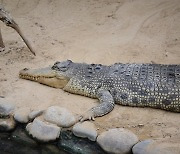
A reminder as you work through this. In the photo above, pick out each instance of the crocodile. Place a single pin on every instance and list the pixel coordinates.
(135, 85)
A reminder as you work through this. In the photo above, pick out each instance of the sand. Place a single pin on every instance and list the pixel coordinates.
(91, 31)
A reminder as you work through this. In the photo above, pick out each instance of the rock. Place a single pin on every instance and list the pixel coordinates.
(85, 130)
(18, 142)
(118, 141)
(32, 115)
(156, 147)
(21, 115)
(76, 145)
(51, 149)
(6, 108)
(7, 124)
(60, 116)
(43, 131)
(7, 146)
(20, 136)
(141, 147)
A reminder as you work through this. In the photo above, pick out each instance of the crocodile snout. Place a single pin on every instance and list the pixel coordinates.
(23, 72)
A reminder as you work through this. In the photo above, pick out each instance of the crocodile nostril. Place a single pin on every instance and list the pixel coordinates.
(25, 69)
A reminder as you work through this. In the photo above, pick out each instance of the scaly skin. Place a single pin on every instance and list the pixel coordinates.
(138, 85)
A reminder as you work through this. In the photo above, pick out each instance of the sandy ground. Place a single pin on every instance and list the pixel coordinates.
(92, 31)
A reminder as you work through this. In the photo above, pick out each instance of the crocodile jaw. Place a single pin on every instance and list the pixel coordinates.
(45, 76)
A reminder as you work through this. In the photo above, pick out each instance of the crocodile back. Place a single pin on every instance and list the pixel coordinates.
(152, 85)
(152, 73)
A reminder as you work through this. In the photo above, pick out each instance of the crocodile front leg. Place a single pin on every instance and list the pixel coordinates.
(106, 105)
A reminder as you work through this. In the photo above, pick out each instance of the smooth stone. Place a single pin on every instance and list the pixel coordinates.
(7, 124)
(21, 115)
(156, 147)
(85, 130)
(76, 145)
(43, 131)
(117, 141)
(32, 115)
(140, 147)
(6, 108)
(59, 116)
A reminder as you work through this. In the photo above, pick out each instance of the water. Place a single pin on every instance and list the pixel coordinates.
(19, 142)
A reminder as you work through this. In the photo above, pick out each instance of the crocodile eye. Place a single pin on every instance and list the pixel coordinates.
(62, 66)
(59, 68)
(63, 69)
(56, 63)
(54, 67)
(25, 69)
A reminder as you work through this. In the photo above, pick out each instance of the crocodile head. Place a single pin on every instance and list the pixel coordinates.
(56, 76)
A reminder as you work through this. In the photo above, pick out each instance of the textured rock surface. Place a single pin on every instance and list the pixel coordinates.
(85, 130)
(21, 115)
(60, 116)
(20, 136)
(7, 124)
(119, 141)
(76, 145)
(32, 115)
(156, 147)
(52, 149)
(43, 131)
(9, 146)
(6, 108)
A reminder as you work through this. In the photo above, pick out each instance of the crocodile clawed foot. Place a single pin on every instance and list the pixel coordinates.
(89, 115)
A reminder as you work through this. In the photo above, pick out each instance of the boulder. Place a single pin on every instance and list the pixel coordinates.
(117, 141)
(6, 108)
(43, 131)
(85, 130)
(21, 115)
(7, 124)
(33, 114)
(60, 116)
(140, 147)
(156, 147)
